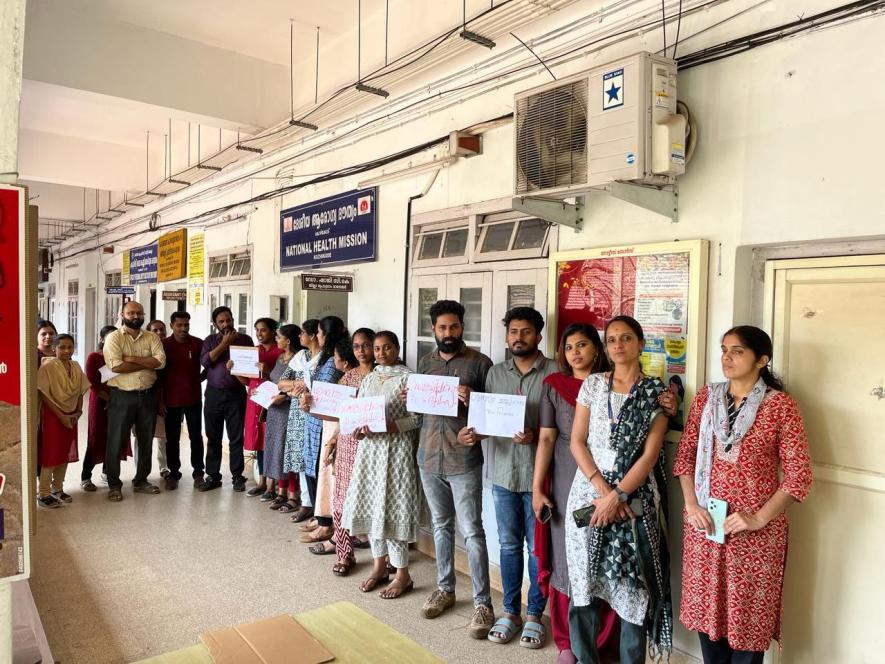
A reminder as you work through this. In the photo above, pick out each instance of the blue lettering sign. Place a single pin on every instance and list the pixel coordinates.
(338, 229)
(143, 265)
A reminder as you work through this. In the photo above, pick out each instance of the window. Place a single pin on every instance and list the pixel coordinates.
(73, 307)
(506, 236)
(240, 265)
(112, 279)
(236, 265)
(218, 267)
(441, 243)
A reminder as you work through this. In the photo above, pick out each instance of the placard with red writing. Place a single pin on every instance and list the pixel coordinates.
(432, 395)
(328, 398)
(365, 411)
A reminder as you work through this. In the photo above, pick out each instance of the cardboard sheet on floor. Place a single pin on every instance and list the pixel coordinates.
(277, 640)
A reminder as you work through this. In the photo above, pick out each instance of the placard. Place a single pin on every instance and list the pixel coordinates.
(245, 359)
(172, 256)
(143, 265)
(496, 414)
(663, 286)
(432, 395)
(328, 398)
(338, 229)
(365, 411)
(196, 268)
(265, 393)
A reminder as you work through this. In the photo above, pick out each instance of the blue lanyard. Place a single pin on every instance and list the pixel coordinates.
(613, 423)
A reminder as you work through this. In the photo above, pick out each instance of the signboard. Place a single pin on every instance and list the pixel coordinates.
(16, 367)
(143, 265)
(338, 229)
(174, 295)
(124, 273)
(120, 290)
(663, 286)
(172, 256)
(196, 268)
(327, 282)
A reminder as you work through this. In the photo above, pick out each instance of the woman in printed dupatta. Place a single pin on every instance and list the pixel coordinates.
(738, 435)
(383, 500)
(61, 384)
(621, 558)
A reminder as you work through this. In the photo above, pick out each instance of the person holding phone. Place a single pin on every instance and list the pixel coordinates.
(621, 557)
(580, 354)
(740, 433)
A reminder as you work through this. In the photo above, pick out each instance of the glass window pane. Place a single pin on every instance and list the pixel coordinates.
(530, 234)
(521, 295)
(430, 245)
(471, 298)
(456, 243)
(497, 237)
(426, 297)
(228, 300)
(242, 311)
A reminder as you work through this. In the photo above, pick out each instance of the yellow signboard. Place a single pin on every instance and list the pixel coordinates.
(172, 255)
(124, 273)
(196, 272)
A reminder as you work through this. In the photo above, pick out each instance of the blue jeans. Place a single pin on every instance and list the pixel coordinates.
(516, 528)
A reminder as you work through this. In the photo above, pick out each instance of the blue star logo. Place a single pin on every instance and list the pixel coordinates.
(612, 92)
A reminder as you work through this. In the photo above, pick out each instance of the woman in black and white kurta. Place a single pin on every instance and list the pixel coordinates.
(382, 499)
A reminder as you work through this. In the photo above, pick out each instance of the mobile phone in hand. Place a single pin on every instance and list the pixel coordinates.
(583, 515)
(546, 514)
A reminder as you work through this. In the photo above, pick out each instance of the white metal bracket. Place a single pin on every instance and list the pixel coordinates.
(662, 200)
(557, 212)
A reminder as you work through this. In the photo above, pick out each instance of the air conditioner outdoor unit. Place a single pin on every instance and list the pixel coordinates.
(616, 122)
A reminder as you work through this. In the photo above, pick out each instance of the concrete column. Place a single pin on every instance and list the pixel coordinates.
(12, 41)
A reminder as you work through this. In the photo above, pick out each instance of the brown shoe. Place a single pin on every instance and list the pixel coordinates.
(437, 603)
(171, 484)
(321, 534)
(481, 621)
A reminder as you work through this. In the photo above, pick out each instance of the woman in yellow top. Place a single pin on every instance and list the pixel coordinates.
(61, 385)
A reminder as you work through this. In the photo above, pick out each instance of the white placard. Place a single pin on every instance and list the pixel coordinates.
(432, 395)
(107, 373)
(300, 363)
(496, 414)
(328, 398)
(245, 359)
(365, 411)
(265, 393)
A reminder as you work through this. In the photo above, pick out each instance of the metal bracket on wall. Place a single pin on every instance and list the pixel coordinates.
(663, 201)
(557, 212)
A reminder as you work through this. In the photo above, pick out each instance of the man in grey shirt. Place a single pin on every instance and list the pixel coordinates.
(451, 472)
(522, 374)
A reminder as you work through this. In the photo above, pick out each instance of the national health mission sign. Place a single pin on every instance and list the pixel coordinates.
(338, 229)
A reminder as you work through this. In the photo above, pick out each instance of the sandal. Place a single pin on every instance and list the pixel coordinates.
(318, 535)
(394, 590)
(310, 526)
(319, 549)
(115, 495)
(343, 568)
(533, 635)
(503, 630)
(372, 582)
(302, 514)
(256, 491)
(288, 506)
(361, 543)
(278, 502)
(87, 485)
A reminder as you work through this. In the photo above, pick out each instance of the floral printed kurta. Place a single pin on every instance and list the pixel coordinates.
(383, 500)
(733, 590)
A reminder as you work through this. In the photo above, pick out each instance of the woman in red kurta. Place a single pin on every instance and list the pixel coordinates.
(737, 436)
(253, 438)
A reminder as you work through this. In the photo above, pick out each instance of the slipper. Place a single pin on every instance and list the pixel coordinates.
(87, 485)
(115, 495)
(302, 514)
(503, 630)
(278, 502)
(319, 549)
(533, 635)
(343, 568)
(372, 582)
(256, 491)
(317, 536)
(310, 526)
(147, 487)
(288, 507)
(399, 591)
(361, 544)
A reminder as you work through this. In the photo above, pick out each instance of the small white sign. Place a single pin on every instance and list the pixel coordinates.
(432, 395)
(496, 414)
(245, 359)
(365, 411)
(328, 398)
(265, 393)
(613, 89)
(107, 374)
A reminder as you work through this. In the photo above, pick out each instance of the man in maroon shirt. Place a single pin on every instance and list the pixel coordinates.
(182, 398)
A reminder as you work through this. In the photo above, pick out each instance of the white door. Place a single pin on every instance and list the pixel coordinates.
(828, 322)
(238, 298)
(515, 288)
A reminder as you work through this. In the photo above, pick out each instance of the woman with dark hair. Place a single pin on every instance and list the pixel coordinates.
(46, 334)
(253, 435)
(293, 383)
(276, 422)
(581, 353)
(61, 385)
(382, 499)
(740, 433)
(331, 331)
(617, 553)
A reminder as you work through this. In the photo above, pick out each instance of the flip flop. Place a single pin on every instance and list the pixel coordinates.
(402, 591)
(372, 582)
(506, 628)
(319, 549)
(533, 630)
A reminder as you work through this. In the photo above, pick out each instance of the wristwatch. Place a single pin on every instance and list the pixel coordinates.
(622, 497)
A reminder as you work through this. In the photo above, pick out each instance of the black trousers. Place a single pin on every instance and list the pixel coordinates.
(193, 415)
(89, 466)
(720, 652)
(225, 409)
(125, 411)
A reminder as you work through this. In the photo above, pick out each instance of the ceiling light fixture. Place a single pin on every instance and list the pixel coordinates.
(362, 87)
(469, 35)
(303, 124)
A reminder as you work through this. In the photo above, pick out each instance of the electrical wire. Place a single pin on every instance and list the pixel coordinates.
(678, 26)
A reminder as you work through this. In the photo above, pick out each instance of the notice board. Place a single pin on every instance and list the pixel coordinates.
(663, 286)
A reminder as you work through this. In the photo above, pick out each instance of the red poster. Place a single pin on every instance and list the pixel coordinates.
(595, 290)
(11, 201)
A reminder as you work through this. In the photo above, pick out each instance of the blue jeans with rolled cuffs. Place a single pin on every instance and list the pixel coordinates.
(516, 530)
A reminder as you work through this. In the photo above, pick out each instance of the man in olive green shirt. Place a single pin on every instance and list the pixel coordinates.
(514, 461)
